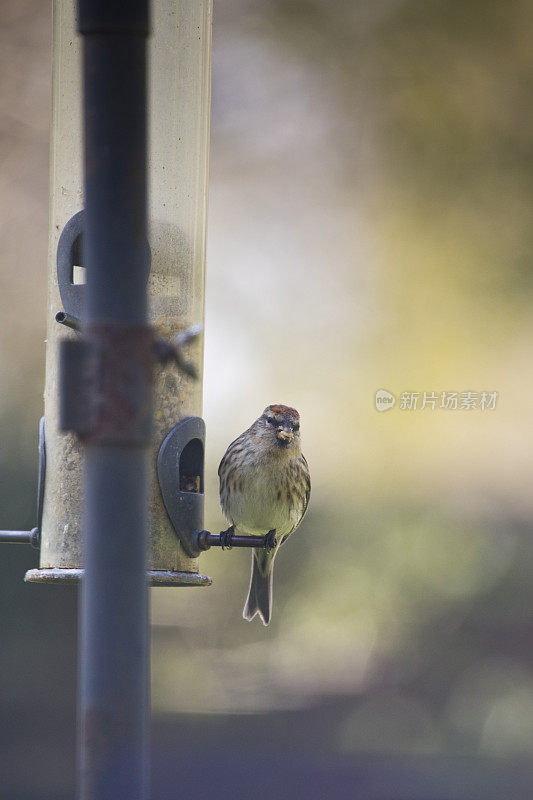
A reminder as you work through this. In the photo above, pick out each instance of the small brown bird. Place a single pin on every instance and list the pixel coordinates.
(265, 488)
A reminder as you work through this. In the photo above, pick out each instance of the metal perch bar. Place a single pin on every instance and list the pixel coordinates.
(228, 539)
(21, 537)
(68, 320)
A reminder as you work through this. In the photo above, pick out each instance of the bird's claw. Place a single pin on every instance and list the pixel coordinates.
(270, 541)
(225, 538)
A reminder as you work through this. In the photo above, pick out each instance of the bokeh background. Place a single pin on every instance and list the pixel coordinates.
(369, 228)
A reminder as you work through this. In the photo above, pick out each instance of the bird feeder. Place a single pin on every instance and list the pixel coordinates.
(128, 391)
(179, 94)
(178, 114)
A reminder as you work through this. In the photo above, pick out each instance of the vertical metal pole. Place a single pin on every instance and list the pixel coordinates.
(114, 640)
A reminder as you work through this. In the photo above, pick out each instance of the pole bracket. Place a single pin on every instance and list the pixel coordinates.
(105, 393)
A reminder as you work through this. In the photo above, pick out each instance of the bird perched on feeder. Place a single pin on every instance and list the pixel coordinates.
(264, 490)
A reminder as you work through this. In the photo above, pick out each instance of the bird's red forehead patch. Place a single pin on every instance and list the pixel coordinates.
(286, 410)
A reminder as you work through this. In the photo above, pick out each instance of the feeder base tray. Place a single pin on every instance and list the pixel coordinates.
(157, 577)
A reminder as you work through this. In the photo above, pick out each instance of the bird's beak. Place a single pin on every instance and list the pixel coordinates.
(285, 434)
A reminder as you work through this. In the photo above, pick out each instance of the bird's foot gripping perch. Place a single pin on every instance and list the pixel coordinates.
(226, 537)
(270, 541)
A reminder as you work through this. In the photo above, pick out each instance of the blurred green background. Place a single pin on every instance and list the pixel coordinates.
(369, 228)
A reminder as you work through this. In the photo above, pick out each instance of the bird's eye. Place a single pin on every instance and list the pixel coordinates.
(271, 420)
(296, 426)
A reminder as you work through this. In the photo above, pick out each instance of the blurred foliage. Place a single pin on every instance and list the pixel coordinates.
(368, 228)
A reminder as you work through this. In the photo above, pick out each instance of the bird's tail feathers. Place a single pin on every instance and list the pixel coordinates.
(259, 599)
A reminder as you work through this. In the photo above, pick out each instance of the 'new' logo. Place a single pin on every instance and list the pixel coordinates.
(384, 400)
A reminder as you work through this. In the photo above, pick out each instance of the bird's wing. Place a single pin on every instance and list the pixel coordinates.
(228, 452)
(307, 486)
(305, 467)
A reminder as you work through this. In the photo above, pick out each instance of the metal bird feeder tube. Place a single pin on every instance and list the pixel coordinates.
(179, 53)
